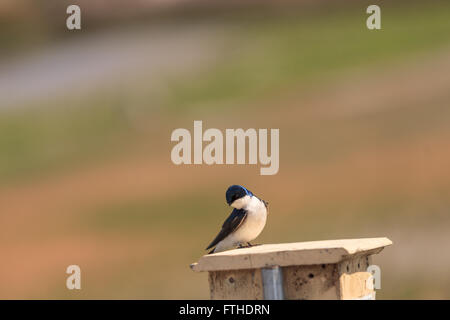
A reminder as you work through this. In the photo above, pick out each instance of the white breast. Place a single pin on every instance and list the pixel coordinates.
(253, 224)
(250, 229)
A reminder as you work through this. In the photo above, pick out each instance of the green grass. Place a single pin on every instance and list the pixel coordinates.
(34, 139)
(279, 52)
(263, 56)
(184, 213)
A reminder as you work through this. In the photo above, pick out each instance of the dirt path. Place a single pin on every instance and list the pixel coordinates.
(94, 60)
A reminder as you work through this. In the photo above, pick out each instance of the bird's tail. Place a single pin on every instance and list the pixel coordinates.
(212, 251)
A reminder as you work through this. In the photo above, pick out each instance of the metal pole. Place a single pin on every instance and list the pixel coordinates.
(272, 283)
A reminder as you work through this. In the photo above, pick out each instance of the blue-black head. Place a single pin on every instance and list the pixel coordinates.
(236, 192)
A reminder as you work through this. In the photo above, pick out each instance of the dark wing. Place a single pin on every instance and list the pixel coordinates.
(235, 219)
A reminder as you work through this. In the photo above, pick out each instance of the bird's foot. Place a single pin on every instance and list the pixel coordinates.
(253, 245)
(248, 245)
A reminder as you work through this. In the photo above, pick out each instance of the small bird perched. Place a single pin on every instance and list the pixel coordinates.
(245, 222)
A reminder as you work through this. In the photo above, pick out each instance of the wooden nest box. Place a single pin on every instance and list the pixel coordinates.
(333, 269)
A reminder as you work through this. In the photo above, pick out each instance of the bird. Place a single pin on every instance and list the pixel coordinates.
(244, 224)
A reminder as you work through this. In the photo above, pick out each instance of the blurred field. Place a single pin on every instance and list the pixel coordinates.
(85, 170)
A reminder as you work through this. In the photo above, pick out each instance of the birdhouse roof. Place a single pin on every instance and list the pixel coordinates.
(290, 254)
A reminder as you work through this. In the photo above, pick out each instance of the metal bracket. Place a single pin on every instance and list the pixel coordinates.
(272, 279)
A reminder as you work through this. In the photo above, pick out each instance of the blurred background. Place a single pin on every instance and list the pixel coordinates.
(86, 117)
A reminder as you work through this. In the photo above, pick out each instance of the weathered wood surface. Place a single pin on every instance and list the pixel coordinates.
(340, 281)
(353, 277)
(236, 284)
(311, 282)
(291, 254)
